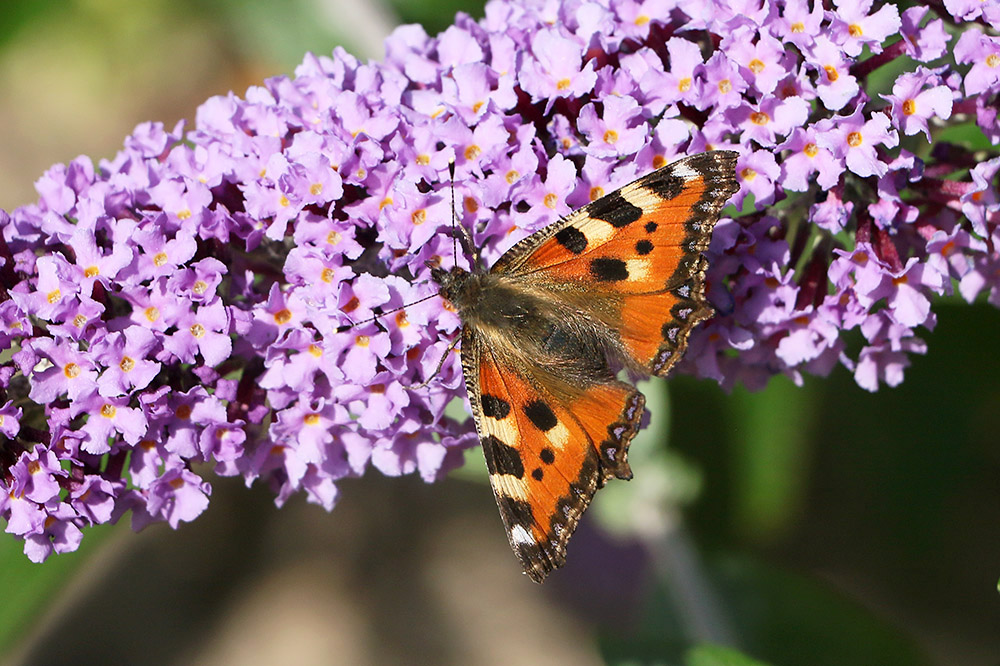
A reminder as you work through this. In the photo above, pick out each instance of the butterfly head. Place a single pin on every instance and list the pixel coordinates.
(454, 285)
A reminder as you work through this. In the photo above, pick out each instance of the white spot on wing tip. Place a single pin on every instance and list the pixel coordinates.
(519, 534)
(684, 171)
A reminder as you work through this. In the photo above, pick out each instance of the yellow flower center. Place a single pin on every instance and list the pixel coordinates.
(472, 152)
(362, 341)
(326, 275)
(684, 84)
(151, 313)
(159, 259)
(909, 107)
(992, 60)
(419, 216)
(759, 118)
(811, 150)
(108, 411)
(72, 370)
(423, 159)
(311, 419)
(854, 139)
(551, 200)
(854, 30)
(91, 271)
(748, 174)
(798, 27)
(199, 287)
(127, 364)
(610, 136)
(333, 237)
(725, 85)
(315, 189)
(756, 66)
(283, 316)
(197, 330)
(563, 84)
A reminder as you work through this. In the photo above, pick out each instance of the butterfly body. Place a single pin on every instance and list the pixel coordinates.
(617, 284)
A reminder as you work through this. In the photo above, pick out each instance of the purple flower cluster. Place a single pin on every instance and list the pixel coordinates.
(205, 300)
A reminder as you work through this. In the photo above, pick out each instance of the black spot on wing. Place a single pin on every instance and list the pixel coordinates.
(664, 183)
(502, 459)
(540, 415)
(643, 247)
(614, 210)
(537, 474)
(547, 456)
(494, 407)
(608, 269)
(651, 227)
(572, 239)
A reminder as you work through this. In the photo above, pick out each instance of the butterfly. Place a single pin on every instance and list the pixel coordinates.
(617, 284)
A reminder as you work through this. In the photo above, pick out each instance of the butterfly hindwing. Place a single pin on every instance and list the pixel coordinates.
(546, 455)
(639, 249)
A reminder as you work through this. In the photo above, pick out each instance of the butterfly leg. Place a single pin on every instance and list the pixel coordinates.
(444, 357)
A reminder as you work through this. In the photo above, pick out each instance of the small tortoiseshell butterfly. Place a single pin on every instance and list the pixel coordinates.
(617, 284)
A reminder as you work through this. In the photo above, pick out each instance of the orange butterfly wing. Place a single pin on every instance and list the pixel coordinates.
(546, 460)
(639, 250)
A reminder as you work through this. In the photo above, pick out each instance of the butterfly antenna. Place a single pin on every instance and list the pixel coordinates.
(454, 213)
(458, 231)
(347, 327)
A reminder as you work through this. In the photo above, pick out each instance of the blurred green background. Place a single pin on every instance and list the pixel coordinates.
(815, 525)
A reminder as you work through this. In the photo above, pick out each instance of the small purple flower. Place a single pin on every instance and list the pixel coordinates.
(762, 62)
(808, 157)
(126, 356)
(983, 51)
(854, 139)
(772, 118)
(927, 43)
(555, 68)
(914, 103)
(107, 418)
(854, 27)
(836, 87)
(799, 24)
(618, 129)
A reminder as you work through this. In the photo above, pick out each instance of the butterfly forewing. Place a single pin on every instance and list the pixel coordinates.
(639, 248)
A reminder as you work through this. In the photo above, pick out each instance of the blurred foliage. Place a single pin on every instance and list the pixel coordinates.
(716, 655)
(778, 616)
(29, 588)
(435, 15)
